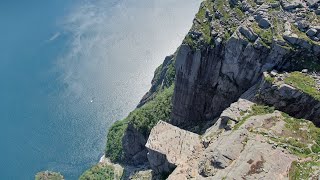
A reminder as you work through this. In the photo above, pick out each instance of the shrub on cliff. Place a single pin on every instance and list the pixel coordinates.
(143, 119)
(100, 171)
(48, 175)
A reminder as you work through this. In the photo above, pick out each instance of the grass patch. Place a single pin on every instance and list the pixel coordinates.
(304, 83)
(265, 34)
(303, 170)
(298, 134)
(99, 172)
(269, 79)
(255, 110)
(302, 35)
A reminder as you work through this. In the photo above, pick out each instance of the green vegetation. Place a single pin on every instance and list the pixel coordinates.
(305, 61)
(272, 1)
(304, 83)
(301, 35)
(303, 170)
(221, 6)
(48, 175)
(99, 172)
(114, 140)
(255, 110)
(143, 119)
(298, 134)
(168, 78)
(239, 13)
(269, 79)
(265, 34)
(146, 117)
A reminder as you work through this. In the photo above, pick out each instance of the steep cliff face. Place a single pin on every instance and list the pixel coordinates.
(214, 74)
(294, 93)
(220, 80)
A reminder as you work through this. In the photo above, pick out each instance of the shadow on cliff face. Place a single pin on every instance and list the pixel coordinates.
(208, 80)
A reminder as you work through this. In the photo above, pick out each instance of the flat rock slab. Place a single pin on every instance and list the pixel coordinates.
(178, 145)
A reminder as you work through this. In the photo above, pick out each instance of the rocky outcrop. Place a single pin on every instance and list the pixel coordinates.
(248, 141)
(218, 83)
(210, 77)
(288, 98)
(169, 146)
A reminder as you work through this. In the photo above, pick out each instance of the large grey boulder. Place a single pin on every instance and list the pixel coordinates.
(264, 23)
(311, 32)
(169, 146)
(312, 3)
(291, 4)
(303, 25)
(248, 33)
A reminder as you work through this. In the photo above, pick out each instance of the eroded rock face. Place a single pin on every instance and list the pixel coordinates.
(209, 80)
(244, 152)
(289, 99)
(169, 146)
(133, 146)
(209, 77)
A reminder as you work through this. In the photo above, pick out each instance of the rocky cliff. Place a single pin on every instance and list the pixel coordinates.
(238, 100)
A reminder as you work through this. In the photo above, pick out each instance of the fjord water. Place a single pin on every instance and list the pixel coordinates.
(69, 69)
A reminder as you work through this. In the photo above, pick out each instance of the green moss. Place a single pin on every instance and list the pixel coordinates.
(315, 148)
(239, 13)
(304, 83)
(99, 172)
(298, 133)
(48, 175)
(221, 5)
(255, 110)
(265, 34)
(303, 170)
(302, 35)
(269, 79)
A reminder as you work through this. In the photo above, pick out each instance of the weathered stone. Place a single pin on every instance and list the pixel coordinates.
(303, 25)
(248, 33)
(311, 32)
(264, 23)
(291, 38)
(168, 146)
(291, 4)
(259, 2)
(312, 3)
(290, 100)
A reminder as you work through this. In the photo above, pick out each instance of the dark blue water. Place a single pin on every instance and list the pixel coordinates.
(69, 69)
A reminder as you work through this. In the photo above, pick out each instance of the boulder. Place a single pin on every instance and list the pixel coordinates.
(290, 5)
(259, 2)
(311, 32)
(248, 33)
(264, 23)
(291, 38)
(303, 25)
(312, 3)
